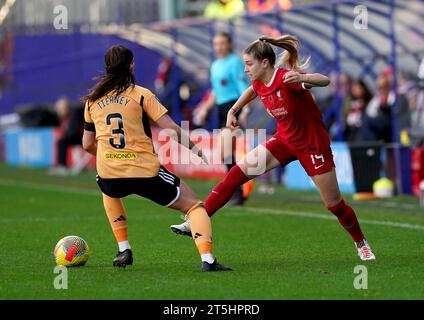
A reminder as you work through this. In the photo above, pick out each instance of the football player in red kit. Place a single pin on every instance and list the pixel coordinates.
(301, 134)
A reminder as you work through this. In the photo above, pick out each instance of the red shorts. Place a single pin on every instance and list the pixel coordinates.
(313, 162)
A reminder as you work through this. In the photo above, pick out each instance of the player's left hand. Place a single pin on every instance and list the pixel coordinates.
(293, 76)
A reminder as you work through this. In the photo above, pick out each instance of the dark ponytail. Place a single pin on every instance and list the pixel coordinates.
(118, 76)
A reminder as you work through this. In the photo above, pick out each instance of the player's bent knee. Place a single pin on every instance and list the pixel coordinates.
(196, 205)
(191, 206)
(185, 203)
(331, 203)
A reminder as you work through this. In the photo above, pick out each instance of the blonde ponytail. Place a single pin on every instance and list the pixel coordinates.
(290, 57)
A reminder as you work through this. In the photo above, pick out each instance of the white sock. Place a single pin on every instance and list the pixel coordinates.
(124, 245)
(208, 257)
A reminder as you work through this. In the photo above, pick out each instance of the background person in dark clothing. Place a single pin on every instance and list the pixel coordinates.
(71, 121)
(360, 97)
(377, 124)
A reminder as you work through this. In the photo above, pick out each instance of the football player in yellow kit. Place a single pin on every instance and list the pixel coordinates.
(117, 131)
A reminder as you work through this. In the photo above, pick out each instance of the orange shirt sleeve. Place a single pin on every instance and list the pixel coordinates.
(88, 122)
(87, 116)
(153, 107)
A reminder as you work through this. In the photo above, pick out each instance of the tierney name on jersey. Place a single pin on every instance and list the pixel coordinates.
(113, 99)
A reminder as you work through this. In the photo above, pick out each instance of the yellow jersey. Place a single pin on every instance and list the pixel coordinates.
(124, 141)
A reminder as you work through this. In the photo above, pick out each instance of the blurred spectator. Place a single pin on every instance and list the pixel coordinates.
(224, 9)
(345, 83)
(418, 115)
(162, 75)
(360, 97)
(408, 88)
(71, 124)
(377, 124)
(164, 86)
(262, 6)
(338, 94)
(378, 118)
(344, 92)
(417, 121)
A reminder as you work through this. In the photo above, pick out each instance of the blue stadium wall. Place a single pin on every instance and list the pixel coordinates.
(46, 67)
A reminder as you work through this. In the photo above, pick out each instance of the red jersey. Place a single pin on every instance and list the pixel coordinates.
(300, 124)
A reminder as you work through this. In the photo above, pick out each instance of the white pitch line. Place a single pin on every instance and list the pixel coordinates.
(48, 187)
(362, 203)
(315, 215)
(251, 210)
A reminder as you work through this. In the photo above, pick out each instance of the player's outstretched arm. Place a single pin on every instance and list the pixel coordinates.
(175, 131)
(309, 79)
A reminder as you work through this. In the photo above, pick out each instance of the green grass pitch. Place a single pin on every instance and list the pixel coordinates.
(282, 246)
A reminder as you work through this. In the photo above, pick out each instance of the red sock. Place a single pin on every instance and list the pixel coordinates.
(348, 220)
(223, 192)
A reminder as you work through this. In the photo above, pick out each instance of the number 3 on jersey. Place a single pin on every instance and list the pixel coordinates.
(119, 131)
